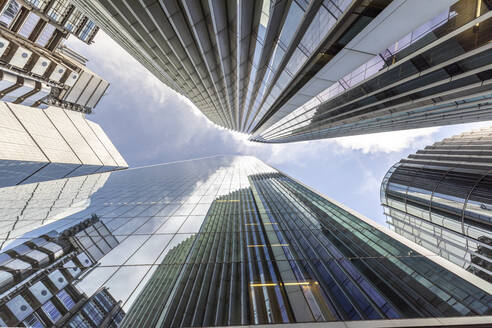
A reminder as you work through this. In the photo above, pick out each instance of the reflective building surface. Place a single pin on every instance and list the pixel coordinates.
(230, 241)
(437, 74)
(441, 198)
(27, 207)
(285, 71)
(46, 144)
(297, 70)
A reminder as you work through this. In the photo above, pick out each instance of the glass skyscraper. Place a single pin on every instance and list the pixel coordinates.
(231, 241)
(286, 71)
(435, 74)
(441, 198)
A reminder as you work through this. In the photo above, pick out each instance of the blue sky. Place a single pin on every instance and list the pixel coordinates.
(150, 124)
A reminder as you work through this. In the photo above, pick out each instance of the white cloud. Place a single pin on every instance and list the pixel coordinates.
(387, 142)
(298, 153)
(369, 183)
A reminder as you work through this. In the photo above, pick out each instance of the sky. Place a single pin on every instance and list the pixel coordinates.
(151, 124)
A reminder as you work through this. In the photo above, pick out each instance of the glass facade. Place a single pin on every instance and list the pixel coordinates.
(441, 198)
(229, 240)
(435, 75)
(287, 71)
(248, 64)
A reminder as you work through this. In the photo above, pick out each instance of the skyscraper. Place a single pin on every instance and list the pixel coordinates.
(52, 143)
(436, 75)
(229, 240)
(441, 199)
(297, 70)
(36, 69)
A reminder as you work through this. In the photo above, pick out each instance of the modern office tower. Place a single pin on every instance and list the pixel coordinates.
(436, 75)
(38, 280)
(35, 68)
(441, 199)
(297, 70)
(229, 240)
(52, 143)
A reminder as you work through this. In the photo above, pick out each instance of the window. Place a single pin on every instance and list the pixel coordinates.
(104, 301)
(65, 299)
(87, 30)
(45, 35)
(29, 25)
(93, 313)
(39, 4)
(294, 18)
(51, 311)
(10, 12)
(74, 20)
(58, 10)
(78, 322)
(33, 321)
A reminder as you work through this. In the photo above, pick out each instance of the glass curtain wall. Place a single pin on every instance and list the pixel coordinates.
(441, 198)
(230, 240)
